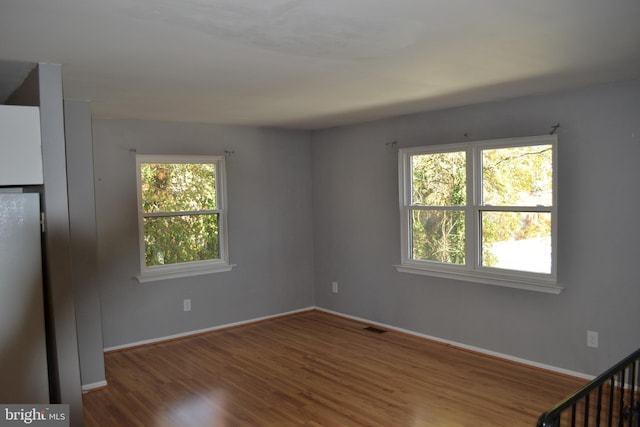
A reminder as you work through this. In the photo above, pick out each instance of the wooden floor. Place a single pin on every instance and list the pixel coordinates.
(315, 369)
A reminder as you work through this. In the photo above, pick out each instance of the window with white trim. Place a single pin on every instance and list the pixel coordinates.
(483, 211)
(182, 216)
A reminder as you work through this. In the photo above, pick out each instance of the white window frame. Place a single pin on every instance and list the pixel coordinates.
(472, 270)
(185, 269)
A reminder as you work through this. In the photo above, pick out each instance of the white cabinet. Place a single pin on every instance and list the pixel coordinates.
(20, 146)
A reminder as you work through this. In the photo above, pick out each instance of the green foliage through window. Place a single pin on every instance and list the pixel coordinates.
(515, 178)
(181, 221)
(438, 182)
(438, 236)
(512, 212)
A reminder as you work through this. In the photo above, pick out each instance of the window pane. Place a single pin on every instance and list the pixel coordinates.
(171, 240)
(517, 241)
(438, 179)
(437, 236)
(517, 176)
(168, 187)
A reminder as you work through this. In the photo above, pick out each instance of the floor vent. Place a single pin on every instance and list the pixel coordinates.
(374, 330)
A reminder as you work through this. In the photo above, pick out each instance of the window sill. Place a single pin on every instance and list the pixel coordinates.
(176, 272)
(509, 282)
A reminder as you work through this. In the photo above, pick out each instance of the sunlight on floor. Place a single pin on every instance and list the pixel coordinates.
(423, 417)
(207, 409)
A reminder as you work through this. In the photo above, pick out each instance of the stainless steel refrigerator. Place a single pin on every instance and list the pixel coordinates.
(23, 357)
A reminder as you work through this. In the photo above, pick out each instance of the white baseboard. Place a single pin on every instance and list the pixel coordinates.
(93, 386)
(359, 319)
(465, 346)
(201, 331)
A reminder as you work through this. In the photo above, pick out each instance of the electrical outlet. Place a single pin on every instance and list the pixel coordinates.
(592, 339)
(334, 287)
(186, 305)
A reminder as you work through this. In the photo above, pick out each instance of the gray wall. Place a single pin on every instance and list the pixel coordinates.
(357, 232)
(84, 262)
(270, 229)
(289, 245)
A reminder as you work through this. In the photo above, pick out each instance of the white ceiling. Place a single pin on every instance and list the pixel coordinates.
(317, 63)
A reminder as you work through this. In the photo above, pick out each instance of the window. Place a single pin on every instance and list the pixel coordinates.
(181, 216)
(482, 211)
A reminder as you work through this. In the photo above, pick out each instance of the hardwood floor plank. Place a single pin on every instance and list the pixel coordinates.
(316, 369)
